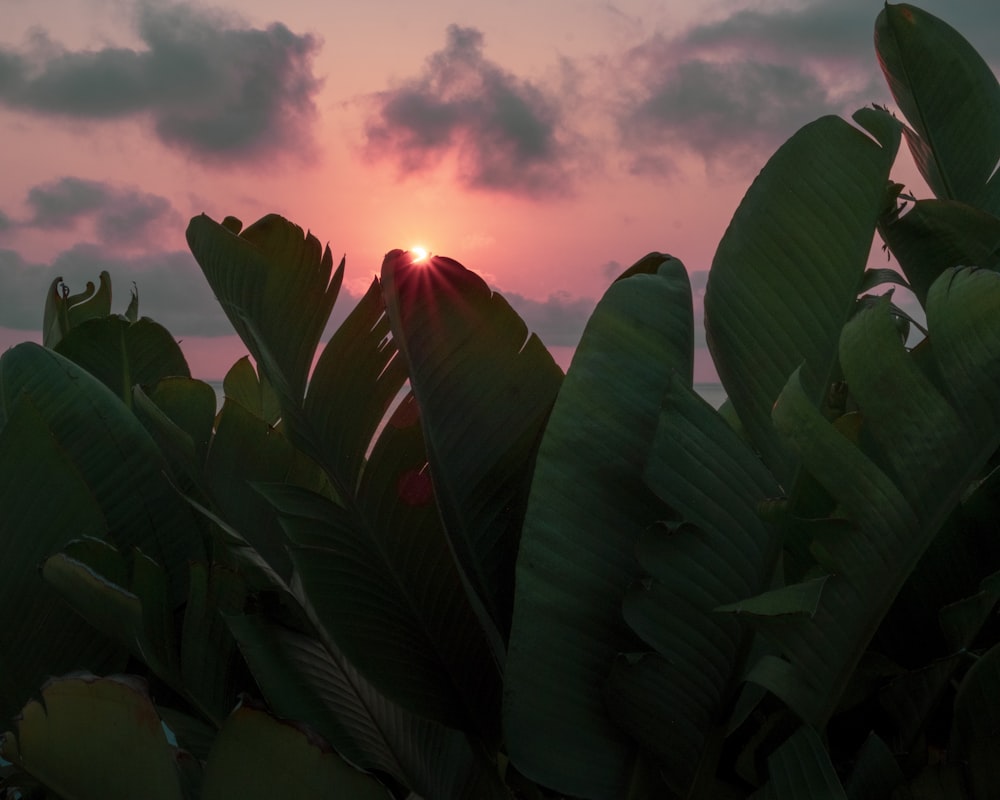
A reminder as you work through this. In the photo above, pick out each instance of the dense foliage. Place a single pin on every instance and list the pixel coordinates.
(427, 564)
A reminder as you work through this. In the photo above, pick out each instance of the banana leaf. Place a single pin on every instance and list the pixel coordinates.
(122, 354)
(485, 388)
(256, 756)
(927, 456)
(40, 634)
(91, 738)
(276, 285)
(789, 267)
(675, 701)
(951, 99)
(936, 235)
(587, 509)
(303, 679)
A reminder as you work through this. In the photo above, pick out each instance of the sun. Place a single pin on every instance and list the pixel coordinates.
(419, 253)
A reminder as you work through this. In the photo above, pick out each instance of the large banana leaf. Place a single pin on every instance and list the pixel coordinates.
(788, 269)
(305, 680)
(936, 235)
(951, 99)
(256, 757)
(91, 738)
(485, 388)
(800, 769)
(975, 735)
(276, 285)
(674, 701)
(357, 377)
(381, 581)
(44, 502)
(111, 451)
(122, 354)
(198, 661)
(245, 449)
(926, 455)
(384, 509)
(587, 509)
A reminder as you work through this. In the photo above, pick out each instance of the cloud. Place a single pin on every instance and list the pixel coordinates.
(172, 289)
(211, 88)
(507, 133)
(732, 90)
(121, 215)
(558, 320)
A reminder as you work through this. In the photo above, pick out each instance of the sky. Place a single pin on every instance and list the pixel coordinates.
(545, 144)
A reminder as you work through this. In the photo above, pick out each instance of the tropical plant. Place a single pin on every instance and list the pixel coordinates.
(424, 563)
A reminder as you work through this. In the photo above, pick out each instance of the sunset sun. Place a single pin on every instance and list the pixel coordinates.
(419, 253)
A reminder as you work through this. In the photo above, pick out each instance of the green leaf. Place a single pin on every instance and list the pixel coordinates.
(45, 502)
(208, 650)
(485, 388)
(246, 450)
(961, 312)
(390, 597)
(302, 679)
(242, 385)
(587, 507)
(674, 703)
(122, 354)
(911, 698)
(111, 451)
(875, 774)
(95, 738)
(257, 757)
(277, 286)
(191, 405)
(787, 271)
(795, 599)
(357, 377)
(951, 99)
(925, 459)
(179, 414)
(975, 734)
(801, 768)
(92, 576)
(936, 235)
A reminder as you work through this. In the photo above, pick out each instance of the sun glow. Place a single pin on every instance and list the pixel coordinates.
(419, 253)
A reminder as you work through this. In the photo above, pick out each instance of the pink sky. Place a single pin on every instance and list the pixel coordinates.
(546, 145)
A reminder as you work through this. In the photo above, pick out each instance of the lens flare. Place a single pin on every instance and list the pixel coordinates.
(419, 253)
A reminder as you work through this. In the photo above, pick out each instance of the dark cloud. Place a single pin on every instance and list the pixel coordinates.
(121, 215)
(612, 269)
(558, 320)
(508, 134)
(212, 89)
(727, 111)
(732, 90)
(172, 289)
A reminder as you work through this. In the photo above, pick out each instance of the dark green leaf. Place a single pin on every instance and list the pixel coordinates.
(95, 738)
(801, 768)
(122, 354)
(587, 508)
(936, 235)
(951, 99)
(786, 274)
(485, 388)
(258, 757)
(304, 680)
(277, 286)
